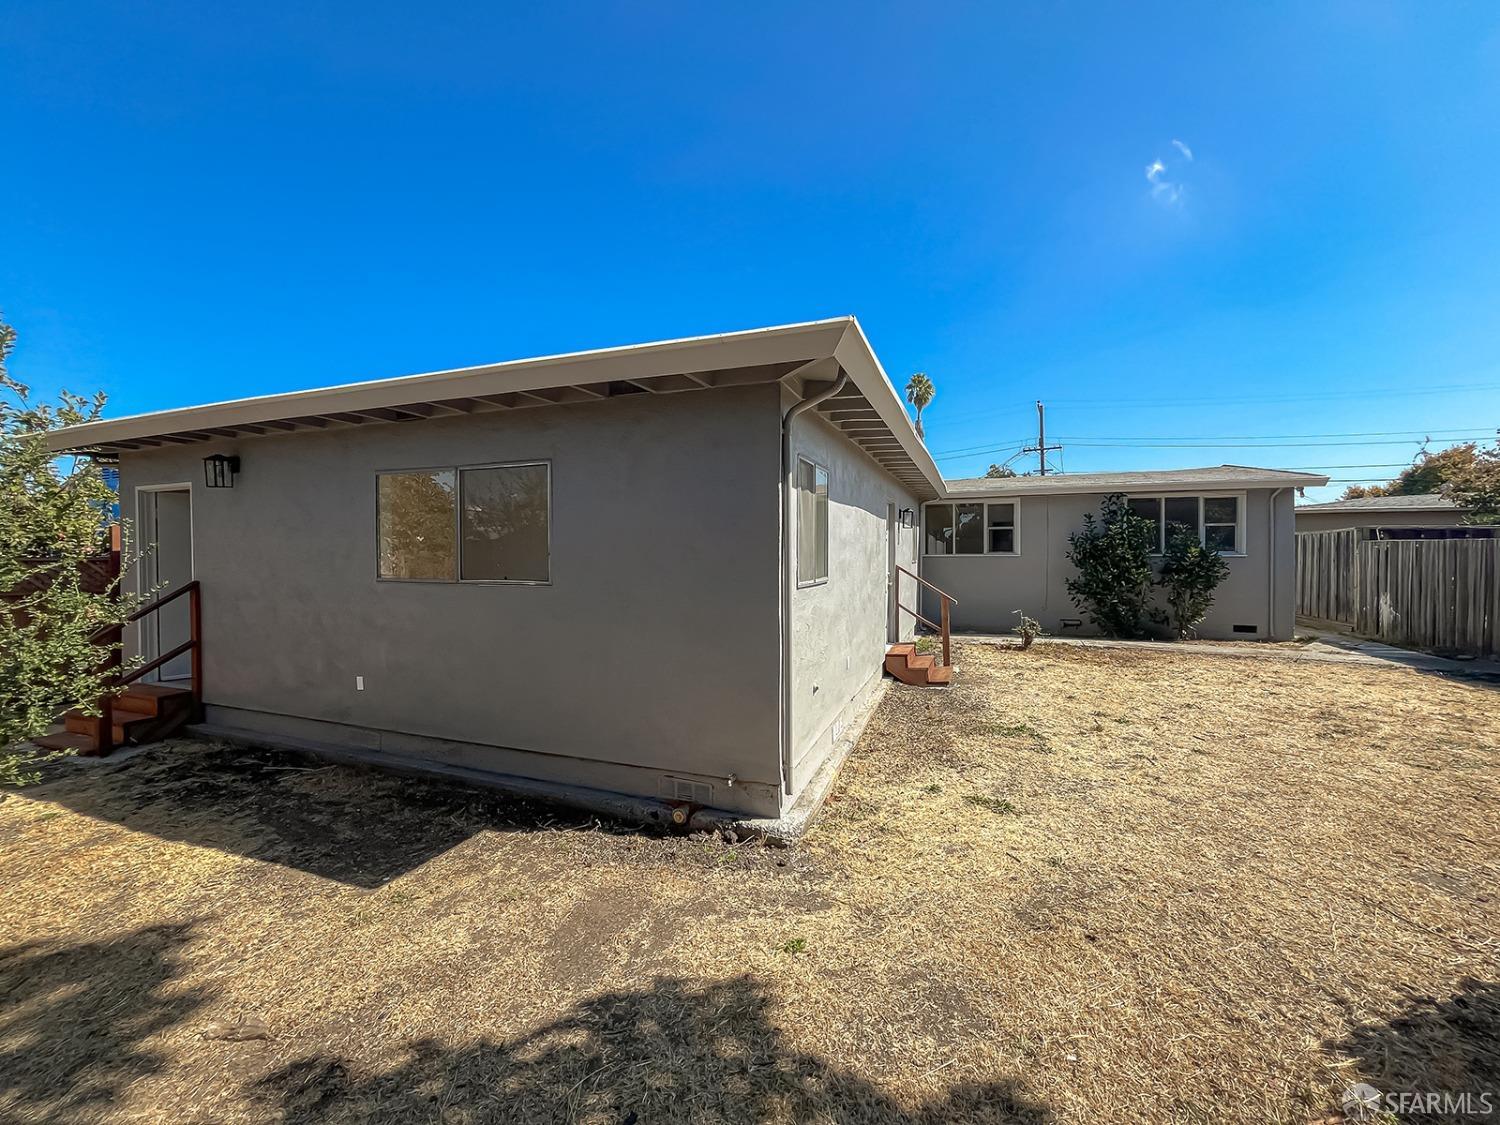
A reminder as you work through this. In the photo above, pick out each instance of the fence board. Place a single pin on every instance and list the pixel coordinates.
(1326, 580)
(1435, 594)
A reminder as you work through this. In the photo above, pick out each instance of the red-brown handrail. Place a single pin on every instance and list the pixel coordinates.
(194, 644)
(947, 600)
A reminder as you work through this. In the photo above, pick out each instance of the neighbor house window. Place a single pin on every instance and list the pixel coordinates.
(418, 539)
(812, 523)
(972, 529)
(1216, 521)
(486, 523)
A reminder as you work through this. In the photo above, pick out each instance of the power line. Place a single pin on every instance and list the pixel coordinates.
(1366, 394)
(1414, 435)
(1203, 445)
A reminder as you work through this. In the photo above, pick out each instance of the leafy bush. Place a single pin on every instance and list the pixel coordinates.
(1190, 573)
(52, 522)
(1112, 556)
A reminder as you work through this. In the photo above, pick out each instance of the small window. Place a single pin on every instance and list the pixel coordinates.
(968, 538)
(418, 541)
(505, 524)
(1002, 529)
(939, 529)
(1221, 523)
(971, 529)
(1213, 520)
(812, 523)
(1181, 511)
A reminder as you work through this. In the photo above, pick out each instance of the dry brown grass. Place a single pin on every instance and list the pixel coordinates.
(1082, 885)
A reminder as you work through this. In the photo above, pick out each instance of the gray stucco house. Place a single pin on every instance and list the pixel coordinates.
(1420, 516)
(672, 571)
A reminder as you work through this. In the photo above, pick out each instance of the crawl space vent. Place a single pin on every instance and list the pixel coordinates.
(693, 792)
(1247, 628)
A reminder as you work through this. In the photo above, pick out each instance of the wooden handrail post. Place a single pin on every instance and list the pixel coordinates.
(947, 652)
(106, 740)
(195, 634)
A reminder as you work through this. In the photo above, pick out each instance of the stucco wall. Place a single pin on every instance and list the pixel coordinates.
(1336, 521)
(653, 651)
(839, 628)
(990, 588)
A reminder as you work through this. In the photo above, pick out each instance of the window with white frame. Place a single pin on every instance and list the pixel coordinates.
(972, 528)
(812, 522)
(481, 523)
(1217, 521)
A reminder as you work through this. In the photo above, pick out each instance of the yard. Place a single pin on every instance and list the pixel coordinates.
(1082, 885)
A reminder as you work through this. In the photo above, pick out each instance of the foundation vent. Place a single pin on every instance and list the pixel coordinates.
(682, 789)
(1247, 628)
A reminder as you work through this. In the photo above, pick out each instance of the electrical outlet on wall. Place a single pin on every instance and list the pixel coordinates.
(359, 683)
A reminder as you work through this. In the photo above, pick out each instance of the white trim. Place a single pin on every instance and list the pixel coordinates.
(802, 459)
(985, 503)
(140, 571)
(1241, 503)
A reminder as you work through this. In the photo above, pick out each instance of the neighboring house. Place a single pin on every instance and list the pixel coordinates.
(1000, 545)
(1421, 516)
(670, 571)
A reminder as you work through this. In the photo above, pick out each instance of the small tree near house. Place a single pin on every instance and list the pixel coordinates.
(53, 519)
(1190, 573)
(1112, 556)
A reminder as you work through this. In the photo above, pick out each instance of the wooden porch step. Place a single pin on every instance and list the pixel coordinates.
(150, 699)
(920, 670)
(125, 723)
(77, 743)
(142, 713)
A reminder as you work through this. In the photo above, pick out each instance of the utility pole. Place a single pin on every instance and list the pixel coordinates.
(1041, 447)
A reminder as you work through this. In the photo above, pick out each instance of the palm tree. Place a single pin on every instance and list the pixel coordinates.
(919, 392)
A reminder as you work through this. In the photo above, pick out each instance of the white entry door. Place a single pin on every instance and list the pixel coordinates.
(166, 535)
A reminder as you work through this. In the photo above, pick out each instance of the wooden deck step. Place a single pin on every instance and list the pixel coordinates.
(126, 723)
(150, 699)
(918, 669)
(142, 713)
(77, 743)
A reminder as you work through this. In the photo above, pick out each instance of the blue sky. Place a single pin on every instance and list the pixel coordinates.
(209, 201)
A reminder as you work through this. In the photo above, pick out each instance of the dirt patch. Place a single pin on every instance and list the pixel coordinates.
(1080, 885)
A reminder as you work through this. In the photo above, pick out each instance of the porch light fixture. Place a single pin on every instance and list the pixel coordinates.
(219, 471)
(908, 517)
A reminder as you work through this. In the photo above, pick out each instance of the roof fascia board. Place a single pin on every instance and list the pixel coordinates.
(1144, 488)
(858, 359)
(673, 357)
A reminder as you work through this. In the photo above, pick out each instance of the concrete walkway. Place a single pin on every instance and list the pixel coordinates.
(1327, 648)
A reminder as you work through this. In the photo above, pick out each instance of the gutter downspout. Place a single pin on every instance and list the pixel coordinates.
(787, 579)
(1271, 567)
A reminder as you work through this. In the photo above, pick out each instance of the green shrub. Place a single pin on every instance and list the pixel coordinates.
(1190, 573)
(1112, 557)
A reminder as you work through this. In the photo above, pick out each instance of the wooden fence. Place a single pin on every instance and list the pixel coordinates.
(1439, 594)
(1325, 575)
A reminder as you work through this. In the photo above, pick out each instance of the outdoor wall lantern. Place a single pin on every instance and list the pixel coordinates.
(908, 517)
(219, 470)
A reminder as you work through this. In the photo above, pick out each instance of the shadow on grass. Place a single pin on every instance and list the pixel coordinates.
(669, 1053)
(74, 1018)
(1447, 1045)
(357, 826)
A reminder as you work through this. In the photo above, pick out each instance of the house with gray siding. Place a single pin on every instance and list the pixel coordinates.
(1000, 546)
(671, 574)
(1418, 516)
